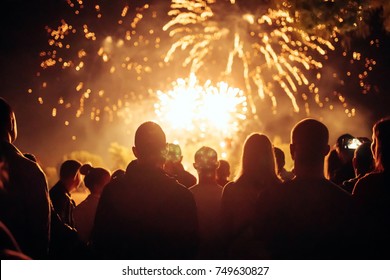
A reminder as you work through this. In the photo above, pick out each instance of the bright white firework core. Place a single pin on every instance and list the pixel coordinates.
(202, 109)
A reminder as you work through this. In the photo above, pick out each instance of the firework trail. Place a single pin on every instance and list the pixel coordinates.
(271, 52)
(106, 58)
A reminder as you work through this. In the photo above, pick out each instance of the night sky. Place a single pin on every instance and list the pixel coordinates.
(23, 36)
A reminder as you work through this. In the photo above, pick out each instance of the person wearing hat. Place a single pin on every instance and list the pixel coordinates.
(146, 214)
(175, 168)
(207, 194)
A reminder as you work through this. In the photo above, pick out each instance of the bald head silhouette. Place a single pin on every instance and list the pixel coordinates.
(150, 143)
(309, 143)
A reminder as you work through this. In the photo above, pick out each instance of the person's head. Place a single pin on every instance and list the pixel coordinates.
(70, 174)
(258, 159)
(150, 144)
(173, 158)
(332, 164)
(381, 144)
(8, 127)
(174, 153)
(309, 143)
(363, 161)
(95, 178)
(280, 158)
(117, 174)
(223, 170)
(206, 161)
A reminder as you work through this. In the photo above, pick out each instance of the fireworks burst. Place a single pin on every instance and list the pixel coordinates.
(274, 54)
(195, 113)
(106, 59)
(99, 60)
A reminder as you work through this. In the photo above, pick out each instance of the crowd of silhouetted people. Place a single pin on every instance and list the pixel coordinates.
(333, 204)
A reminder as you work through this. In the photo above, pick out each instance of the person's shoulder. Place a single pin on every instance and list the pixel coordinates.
(370, 177)
(23, 164)
(303, 181)
(115, 187)
(171, 184)
(186, 173)
(194, 188)
(57, 191)
(368, 182)
(229, 187)
(313, 185)
(291, 184)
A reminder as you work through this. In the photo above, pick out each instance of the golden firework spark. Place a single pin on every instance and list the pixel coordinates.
(99, 59)
(191, 112)
(271, 49)
(108, 57)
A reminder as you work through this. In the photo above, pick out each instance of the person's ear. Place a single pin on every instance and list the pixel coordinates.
(292, 151)
(326, 150)
(13, 128)
(195, 166)
(134, 149)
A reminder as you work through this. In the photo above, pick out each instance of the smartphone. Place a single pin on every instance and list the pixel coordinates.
(353, 144)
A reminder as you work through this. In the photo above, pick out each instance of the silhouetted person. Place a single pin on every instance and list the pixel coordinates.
(223, 172)
(258, 172)
(207, 194)
(372, 194)
(175, 168)
(305, 218)
(362, 162)
(25, 207)
(332, 163)
(117, 174)
(345, 148)
(283, 174)
(146, 214)
(95, 179)
(65, 242)
(9, 248)
(60, 193)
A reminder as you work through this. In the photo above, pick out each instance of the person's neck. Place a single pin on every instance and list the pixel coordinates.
(150, 164)
(309, 171)
(5, 138)
(208, 178)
